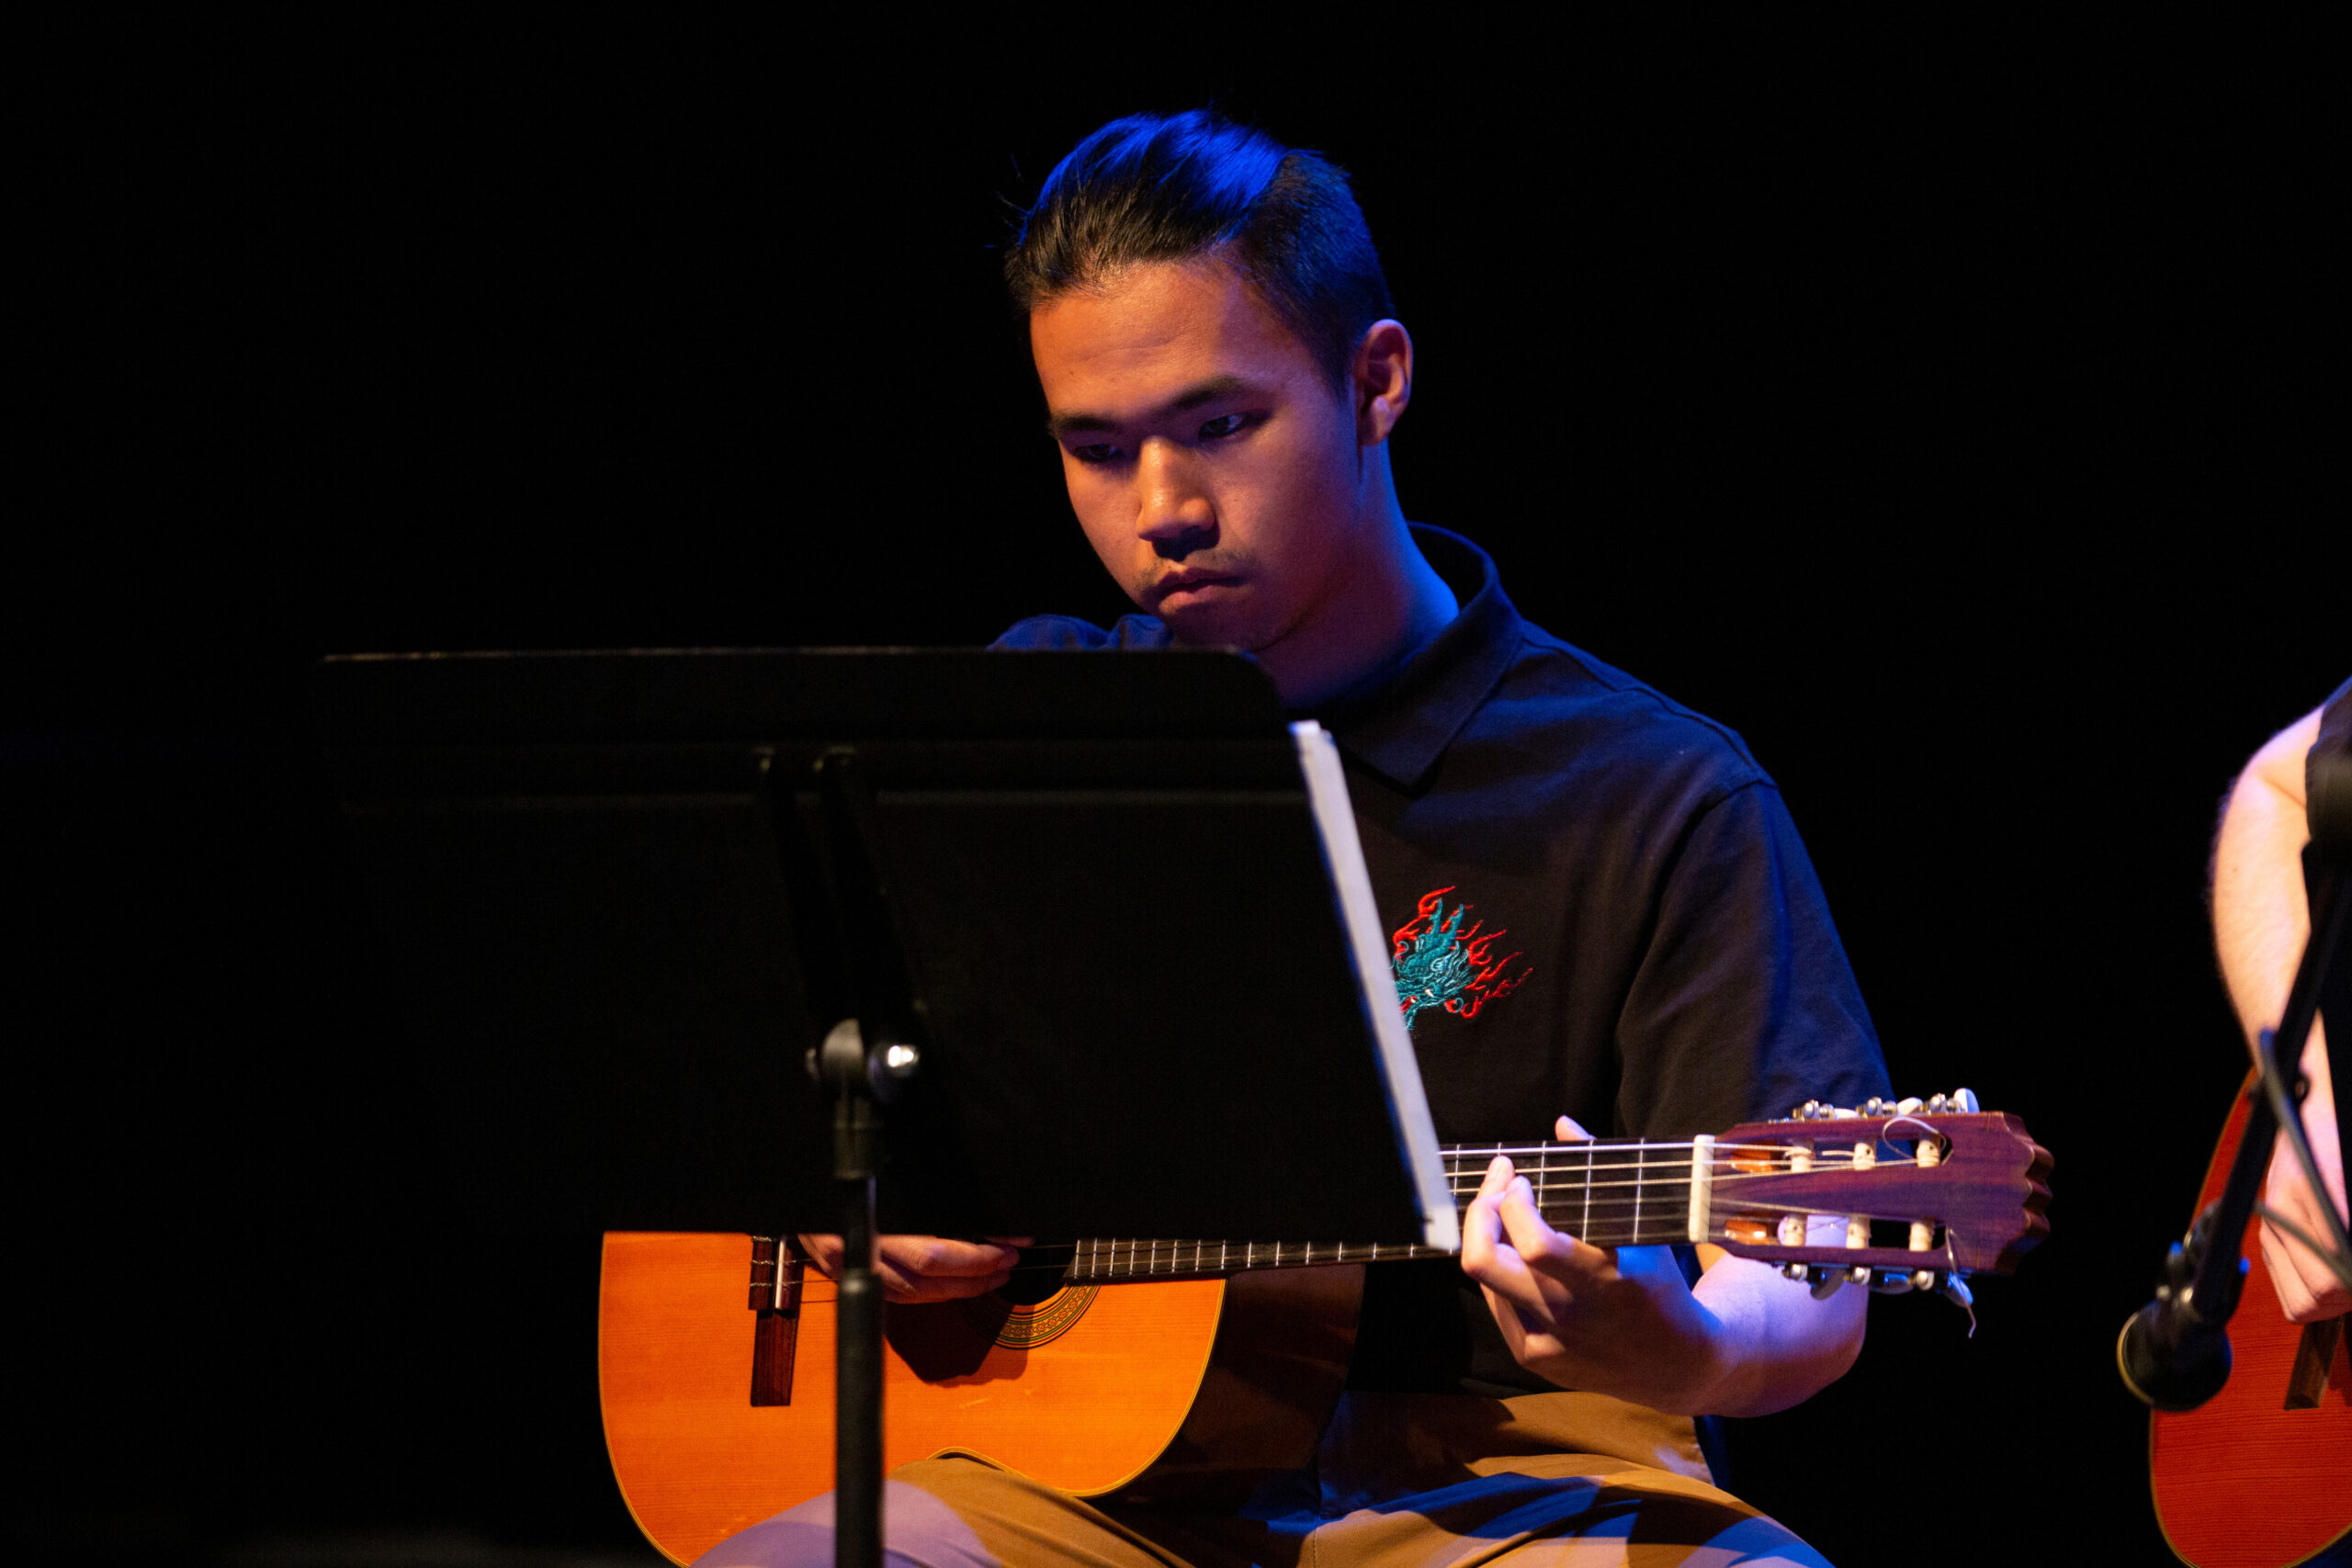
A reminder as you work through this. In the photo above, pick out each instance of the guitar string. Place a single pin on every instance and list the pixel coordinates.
(1144, 1255)
(1728, 1165)
(1718, 1178)
(1574, 1177)
(1461, 1155)
(1571, 1160)
(1460, 1185)
(1578, 1198)
(1595, 1149)
(1608, 1230)
(1180, 1262)
(1663, 1224)
(1462, 1163)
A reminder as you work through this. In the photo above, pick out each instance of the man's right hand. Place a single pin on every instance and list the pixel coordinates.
(928, 1267)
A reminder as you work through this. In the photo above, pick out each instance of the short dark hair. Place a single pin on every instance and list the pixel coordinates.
(1167, 188)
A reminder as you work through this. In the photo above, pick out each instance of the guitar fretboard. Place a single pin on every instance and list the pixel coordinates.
(1608, 1193)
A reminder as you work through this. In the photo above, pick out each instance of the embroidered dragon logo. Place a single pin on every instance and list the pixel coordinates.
(1439, 965)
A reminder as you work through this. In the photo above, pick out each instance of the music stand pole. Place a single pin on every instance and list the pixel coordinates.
(579, 883)
(862, 1063)
(857, 1413)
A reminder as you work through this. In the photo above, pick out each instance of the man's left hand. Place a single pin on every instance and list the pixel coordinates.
(1613, 1320)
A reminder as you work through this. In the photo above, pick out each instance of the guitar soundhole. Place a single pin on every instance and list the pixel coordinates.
(1035, 1306)
(1023, 1328)
(1039, 1274)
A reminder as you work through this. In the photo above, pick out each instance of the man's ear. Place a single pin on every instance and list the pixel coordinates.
(1382, 374)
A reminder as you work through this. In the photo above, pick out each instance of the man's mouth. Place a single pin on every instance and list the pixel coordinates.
(1180, 589)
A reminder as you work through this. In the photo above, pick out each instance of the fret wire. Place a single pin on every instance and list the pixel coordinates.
(1611, 1209)
(1139, 1256)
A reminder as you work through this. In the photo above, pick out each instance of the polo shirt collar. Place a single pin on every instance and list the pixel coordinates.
(1400, 722)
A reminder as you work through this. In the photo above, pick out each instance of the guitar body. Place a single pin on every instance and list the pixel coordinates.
(2260, 1476)
(1193, 1389)
(1153, 1375)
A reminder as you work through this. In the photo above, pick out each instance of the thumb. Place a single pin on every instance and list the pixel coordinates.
(1569, 1132)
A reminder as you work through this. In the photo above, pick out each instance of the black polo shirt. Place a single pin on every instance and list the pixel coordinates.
(1597, 905)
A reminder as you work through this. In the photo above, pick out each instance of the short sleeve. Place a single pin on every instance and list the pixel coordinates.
(2334, 730)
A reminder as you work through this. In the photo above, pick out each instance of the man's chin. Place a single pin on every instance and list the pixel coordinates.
(1197, 624)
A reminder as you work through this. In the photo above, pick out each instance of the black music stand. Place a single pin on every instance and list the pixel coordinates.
(1040, 944)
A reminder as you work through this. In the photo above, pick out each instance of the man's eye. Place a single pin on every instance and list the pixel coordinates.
(1223, 425)
(1096, 452)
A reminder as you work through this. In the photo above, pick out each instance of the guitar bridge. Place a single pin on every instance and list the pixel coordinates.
(778, 1269)
(2317, 1351)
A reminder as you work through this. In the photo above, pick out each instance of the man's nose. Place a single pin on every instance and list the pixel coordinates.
(1171, 511)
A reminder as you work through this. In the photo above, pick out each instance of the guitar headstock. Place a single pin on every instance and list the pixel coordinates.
(1971, 1195)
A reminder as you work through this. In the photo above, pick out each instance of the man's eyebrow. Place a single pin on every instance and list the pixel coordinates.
(1192, 397)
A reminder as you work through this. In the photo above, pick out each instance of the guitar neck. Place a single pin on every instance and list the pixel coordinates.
(1611, 1193)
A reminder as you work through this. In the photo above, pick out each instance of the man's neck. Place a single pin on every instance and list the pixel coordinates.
(1388, 603)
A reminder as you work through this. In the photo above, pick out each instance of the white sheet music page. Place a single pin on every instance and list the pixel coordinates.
(1335, 821)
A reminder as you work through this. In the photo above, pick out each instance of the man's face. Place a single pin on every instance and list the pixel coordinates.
(1213, 466)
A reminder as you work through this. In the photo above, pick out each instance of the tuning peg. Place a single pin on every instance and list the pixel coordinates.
(1905, 1106)
(1964, 1101)
(1891, 1282)
(1825, 1283)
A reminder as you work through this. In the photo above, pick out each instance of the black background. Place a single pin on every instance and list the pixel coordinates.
(1955, 415)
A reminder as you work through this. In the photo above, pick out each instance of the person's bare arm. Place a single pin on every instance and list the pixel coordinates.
(2261, 922)
(2261, 917)
(1620, 1321)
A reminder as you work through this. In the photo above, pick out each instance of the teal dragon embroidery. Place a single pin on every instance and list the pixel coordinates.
(1439, 965)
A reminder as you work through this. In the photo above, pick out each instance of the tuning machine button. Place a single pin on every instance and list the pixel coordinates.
(1956, 1291)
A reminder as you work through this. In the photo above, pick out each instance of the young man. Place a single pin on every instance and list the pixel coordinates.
(1600, 911)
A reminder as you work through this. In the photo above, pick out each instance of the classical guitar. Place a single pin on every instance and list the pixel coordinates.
(1161, 1368)
(2260, 1475)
